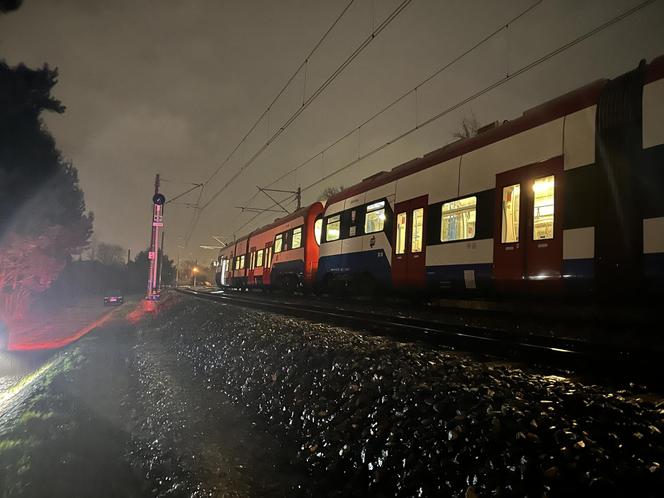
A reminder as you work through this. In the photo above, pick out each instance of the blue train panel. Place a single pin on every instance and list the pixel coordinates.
(374, 263)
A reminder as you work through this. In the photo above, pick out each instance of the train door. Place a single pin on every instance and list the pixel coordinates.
(528, 245)
(267, 263)
(224, 270)
(409, 244)
(251, 266)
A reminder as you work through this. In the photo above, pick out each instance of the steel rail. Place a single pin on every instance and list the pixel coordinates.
(537, 350)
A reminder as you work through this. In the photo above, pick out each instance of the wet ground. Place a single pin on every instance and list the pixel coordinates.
(214, 400)
(116, 415)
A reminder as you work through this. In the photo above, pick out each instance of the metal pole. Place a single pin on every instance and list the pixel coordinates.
(177, 270)
(161, 259)
(157, 223)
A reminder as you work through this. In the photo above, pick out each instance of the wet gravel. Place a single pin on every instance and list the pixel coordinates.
(374, 416)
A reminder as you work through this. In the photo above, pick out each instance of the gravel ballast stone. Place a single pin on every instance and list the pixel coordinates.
(375, 416)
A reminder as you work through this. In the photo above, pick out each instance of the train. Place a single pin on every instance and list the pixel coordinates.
(567, 197)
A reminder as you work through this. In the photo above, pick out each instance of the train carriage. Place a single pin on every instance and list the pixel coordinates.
(569, 194)
(283, 254)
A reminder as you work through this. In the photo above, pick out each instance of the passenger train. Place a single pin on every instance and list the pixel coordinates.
(569, 196)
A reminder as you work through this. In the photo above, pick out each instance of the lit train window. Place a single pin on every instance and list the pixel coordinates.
(402, 219)
(242, 262)
(237, 263)
(333, 229)
(259, 258)
(268, 257)
(543, 188)
(318, 230)
(418, 227)
(297, 238)
(458, 220)
(510, 215)
(278, 242)
(375, 218)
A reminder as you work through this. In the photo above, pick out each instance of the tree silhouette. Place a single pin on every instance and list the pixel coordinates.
(468, 127)
(9, 5)
(42, 210)
(110, 254)
(329, 192)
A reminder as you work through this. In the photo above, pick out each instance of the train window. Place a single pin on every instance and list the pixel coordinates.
(333, 229)
(268, 257)
(543, 189)
(458, 220)
(510, 215)
(278, 242)
(297, 238)
(242, 262)
(259, 258)
(402, 219)
(418, 228)
(318, 230)
(237, 263)
(375, 218)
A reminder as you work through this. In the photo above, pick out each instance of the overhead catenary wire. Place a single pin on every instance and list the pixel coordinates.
(196, 185)
(266, 112)
(524, 69)
(358, 128)
(393, 15)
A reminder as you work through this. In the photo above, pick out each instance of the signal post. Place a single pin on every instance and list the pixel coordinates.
(158, 200)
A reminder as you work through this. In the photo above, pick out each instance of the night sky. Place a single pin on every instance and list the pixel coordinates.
(171, 86)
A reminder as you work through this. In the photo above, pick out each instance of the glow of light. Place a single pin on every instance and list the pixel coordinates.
(24, 383)
(543, 185)
(30, 345)
(381, 216)
(375, 205)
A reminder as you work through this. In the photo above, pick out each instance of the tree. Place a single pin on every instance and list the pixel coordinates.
(329, 192)
(110, 254)
(9, 5)
(138, 271)
(42, 210)
(468, 127)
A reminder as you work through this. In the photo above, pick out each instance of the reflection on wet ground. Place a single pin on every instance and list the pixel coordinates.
(116, 415)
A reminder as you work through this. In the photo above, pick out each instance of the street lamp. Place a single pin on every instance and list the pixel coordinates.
(194, 271)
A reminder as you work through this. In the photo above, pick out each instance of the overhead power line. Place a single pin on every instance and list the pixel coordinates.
(403, 96)
(303, 64)
(524, 69)
(395, 13)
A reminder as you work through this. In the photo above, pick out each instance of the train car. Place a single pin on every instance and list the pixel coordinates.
(224, 269)
(283, 254)
(237, 263)
(567, 196)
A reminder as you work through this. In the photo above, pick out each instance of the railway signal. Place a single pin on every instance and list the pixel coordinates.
(158, 200)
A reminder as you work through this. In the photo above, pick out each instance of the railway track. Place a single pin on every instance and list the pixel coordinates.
(580, 356)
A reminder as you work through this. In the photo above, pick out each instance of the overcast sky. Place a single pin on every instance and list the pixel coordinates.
(166, 86)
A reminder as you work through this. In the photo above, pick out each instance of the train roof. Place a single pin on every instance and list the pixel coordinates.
(302, 212)
(548, 111)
